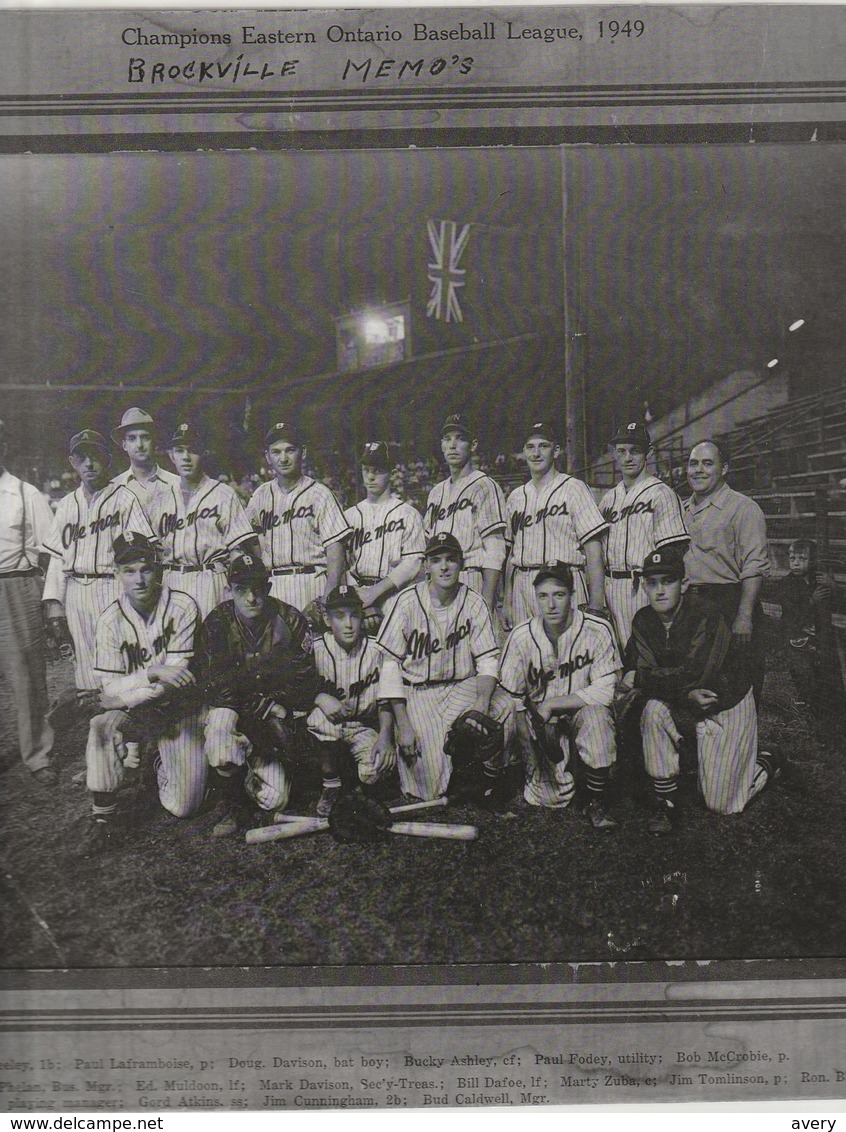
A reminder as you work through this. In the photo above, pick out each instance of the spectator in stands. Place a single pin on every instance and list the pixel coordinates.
(798, 595)
(728, 557)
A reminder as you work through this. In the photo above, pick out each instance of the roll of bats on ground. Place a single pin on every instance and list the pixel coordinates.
(362, 820)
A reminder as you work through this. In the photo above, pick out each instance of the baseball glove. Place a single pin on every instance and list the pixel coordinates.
(373, 618)
(358, 819)
(315, 614)
(546, 736)
(474, 737)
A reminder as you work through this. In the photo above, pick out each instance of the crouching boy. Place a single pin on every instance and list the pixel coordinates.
(348, 714)
(681, 656)
(562, 667)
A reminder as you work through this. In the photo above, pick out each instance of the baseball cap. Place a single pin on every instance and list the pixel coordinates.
(247, 568)
(190, 436)
(441, 542)
(557, 572)
(663, 562)
(344, 597)
(132, 547)
(376, 455)
(132, 418)
(633, 433)
(283, 431)
(457, 422)
(88, 438)
(542, 429)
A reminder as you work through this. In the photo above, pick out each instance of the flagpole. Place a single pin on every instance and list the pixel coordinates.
(575, 337)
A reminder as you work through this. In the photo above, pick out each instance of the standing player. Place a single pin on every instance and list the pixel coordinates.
(25, 519)
(552, 518)
(643, 514)
(300, 525)
(145, 640)
(469, 506)
(441, 660)
(348, 713)
(80, 581)
(199, 521)
(256, 666)
(566, 664)
(683, 658)
(385, 552)
(144, 477)
(728, 557)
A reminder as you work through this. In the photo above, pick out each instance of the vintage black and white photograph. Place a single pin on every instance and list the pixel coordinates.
(423, 531)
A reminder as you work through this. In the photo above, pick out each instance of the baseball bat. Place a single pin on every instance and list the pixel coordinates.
(434, 829)
(300, 825)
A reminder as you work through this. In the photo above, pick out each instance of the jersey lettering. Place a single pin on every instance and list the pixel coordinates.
(135, 656)
(74, 532)
(637, 508)
(359, 686)
(169, 522)
(520, 520)
(539, 678)
(438, 514)
(362, 537)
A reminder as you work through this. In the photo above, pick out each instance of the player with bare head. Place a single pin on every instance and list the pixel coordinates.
(300, 525)
(643, 514)
(385, 552)
(552, 518)
(441, 660)
(469, 506)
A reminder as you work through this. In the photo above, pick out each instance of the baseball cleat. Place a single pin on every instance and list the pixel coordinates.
(661, 820)
(99, 836)
(327, 800)
(45, 776)
(598, 818)
(771, 763)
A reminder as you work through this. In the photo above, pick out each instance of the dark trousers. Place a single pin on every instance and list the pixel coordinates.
(726, 598)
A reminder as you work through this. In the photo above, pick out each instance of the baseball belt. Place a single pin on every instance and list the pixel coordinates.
(366, 580)
(527, 569)
(618, 574)
(428, 683)
(280, 570)
(31, 572)
(187, 569)
(79, 574)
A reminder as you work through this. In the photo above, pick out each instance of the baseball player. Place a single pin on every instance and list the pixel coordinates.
(144, 477)
(441, 660)
(256, 663)
(348, 712)
(385, 552)
(80, 580)
(469, 506)
(199, 522)
(643, 514)
(566, 664)
(25, 519)
(682, 657)
(552, 518)
(728, 557)
(145, 640)
(300, 524)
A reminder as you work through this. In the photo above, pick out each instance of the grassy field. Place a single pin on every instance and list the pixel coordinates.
(536, 886)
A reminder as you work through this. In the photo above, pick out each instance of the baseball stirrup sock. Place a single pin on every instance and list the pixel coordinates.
(597, 779)
(665, 789)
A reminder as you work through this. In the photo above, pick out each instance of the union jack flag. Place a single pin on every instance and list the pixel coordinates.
(448, 241)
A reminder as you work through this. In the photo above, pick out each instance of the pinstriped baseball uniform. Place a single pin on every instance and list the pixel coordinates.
(645, 518)
(200, 533)
(81, 570)
(547, 525)
(127, 645)
(696, 651)
(441, 652)
(294, 529)
(385, 535)
(354, 677)
(473, 511)
(584, 661)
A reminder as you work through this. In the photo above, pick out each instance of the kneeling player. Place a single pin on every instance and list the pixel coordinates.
(349, 714)
(256, 664)
(441, 660)
(563, 666)
(145, 640)
(681, 655)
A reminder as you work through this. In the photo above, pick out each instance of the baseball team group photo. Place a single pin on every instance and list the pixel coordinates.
(423, 556)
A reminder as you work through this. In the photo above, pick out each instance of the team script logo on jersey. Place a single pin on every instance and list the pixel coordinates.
(268, 520)
(169, 521)
(438, 514)
(361, 537)
(135, 656)
(359, 686)
(74, 532)
(539, 678)
(520, 520)
(422, 644)
(635, 508)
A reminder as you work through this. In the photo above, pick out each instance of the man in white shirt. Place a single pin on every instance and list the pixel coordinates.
(137, 437)
(25, 519)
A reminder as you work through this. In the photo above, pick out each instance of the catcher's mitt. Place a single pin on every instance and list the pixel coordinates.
(474, 737)
(315, 614)
(372, 619)
(546, 736)
(359, 820)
